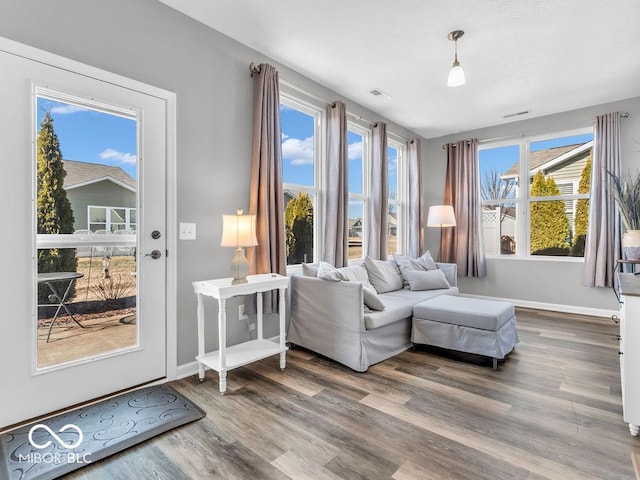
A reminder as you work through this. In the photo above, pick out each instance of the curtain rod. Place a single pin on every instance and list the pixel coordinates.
(253, 69)
(525, 134)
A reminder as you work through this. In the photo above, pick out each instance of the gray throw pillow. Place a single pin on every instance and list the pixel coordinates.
(383, 275)
(371, 299)
(426, 280)
(357, 273)
(326, 271)
(427, 261)
(309, 269)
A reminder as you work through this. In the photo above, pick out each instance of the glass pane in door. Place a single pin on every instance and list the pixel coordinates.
(87, 185)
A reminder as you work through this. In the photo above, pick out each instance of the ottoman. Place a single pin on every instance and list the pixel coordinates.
(471, 325)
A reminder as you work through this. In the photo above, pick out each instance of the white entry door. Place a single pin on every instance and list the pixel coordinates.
(84, 292)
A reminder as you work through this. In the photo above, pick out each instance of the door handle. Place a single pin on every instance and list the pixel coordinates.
(155, 254)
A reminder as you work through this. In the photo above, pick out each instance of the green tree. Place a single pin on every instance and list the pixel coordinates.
(54, 213)
(581, 221)
(550, 230)
(298, 219)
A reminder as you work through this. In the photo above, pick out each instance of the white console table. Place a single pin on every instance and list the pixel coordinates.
(228, 358)
(629, 288)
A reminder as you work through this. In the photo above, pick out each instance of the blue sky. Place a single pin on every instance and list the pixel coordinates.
(92, 136)
(502, 158)
(297, 155)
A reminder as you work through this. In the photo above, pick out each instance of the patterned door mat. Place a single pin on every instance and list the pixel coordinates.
(58, 445)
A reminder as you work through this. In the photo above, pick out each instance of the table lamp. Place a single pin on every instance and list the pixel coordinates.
(441, 216)
(239, 231)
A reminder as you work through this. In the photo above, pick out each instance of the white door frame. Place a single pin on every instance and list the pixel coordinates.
(51, 59)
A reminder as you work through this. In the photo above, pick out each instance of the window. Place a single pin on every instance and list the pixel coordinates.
(303, 128)
(358, 140)
(300, 124)
(499, 174)
(547, 216)
(396, 153)
(112, 219)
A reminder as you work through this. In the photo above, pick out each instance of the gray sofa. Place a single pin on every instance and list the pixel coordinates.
(329, 318)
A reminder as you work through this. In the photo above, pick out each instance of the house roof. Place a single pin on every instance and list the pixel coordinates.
(540, 158)
(84, 173)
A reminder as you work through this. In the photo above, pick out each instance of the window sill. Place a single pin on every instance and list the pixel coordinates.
(534, 258)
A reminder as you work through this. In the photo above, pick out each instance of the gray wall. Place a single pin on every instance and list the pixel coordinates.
(147, 41)
(542, 281)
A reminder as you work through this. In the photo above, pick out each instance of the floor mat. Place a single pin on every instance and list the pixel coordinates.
(58, 445)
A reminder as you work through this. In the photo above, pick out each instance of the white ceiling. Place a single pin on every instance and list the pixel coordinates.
(544, 56)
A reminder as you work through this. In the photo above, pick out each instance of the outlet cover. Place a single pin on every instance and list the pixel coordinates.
(187, 231)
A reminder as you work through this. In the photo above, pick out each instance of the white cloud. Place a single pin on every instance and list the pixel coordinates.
(119, 157)
(284, 136)
(355, 150)
(298, 151)
(66, 109)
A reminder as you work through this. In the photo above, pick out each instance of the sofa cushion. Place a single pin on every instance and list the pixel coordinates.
(465, 311)
(357, 273)
(424, 262)
(326, 271)
(383, 275)
(399, 305)
(425, 280)
(310, 269)
(372, 299)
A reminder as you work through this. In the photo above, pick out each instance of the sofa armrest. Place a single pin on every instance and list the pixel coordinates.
(328, 318)
(450, 271)
(337, 305)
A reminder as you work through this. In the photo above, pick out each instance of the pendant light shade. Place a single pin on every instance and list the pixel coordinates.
(456, 74)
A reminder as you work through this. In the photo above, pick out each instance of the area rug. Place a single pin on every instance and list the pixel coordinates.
(48, 449)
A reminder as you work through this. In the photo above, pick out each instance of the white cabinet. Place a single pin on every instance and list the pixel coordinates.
(227, 358)
(630, 348)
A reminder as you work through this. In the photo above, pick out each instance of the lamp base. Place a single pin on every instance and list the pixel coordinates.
(239, 267)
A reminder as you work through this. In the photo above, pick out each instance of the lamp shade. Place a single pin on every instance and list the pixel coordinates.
(441, 216)
(456, 75)
(238, 231)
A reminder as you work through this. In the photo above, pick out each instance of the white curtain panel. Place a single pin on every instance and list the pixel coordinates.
(336, 201)
(462, 244)
(416, 228)
(604, 238)
(378, 192)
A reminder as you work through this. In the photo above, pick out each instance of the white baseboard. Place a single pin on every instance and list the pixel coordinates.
(191, 368)
(187, 369)
(554, 307)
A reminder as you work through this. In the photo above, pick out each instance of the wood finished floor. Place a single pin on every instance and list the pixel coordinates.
(552, 411)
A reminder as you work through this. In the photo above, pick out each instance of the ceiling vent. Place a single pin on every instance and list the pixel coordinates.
(376, 92)
(517, 114)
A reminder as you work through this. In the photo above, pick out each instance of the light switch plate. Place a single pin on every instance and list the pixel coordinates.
(187, 231)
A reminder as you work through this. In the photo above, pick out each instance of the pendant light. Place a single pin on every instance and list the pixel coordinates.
(456, 74)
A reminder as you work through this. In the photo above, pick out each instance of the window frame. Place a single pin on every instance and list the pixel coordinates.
(365, 133)
(107, 223)
(523, 198)
(316, 191)
(400, 144)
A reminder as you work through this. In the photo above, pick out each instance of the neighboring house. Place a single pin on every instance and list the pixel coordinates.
(563, 164)
(355, 227)
(102, 197)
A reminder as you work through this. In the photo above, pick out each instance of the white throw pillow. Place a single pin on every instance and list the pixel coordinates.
(384, 275)
(427, 261)
(371, 299)
(326, 271)
(426, 279)
(309, 269)
(357, 273)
